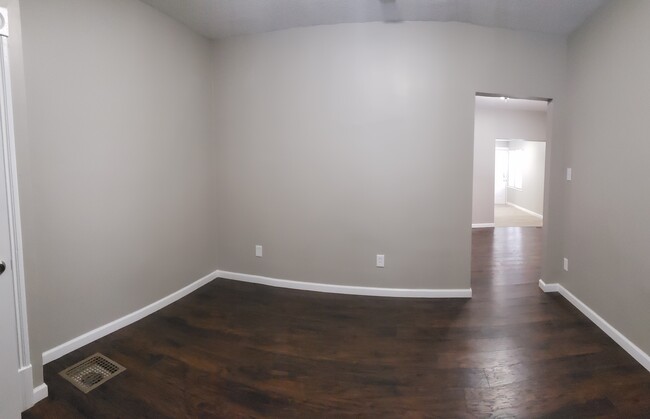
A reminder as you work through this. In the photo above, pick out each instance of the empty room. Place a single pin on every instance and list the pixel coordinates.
(324, 208)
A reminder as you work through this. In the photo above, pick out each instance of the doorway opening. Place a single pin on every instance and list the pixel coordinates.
(509, 162)
(508, 202)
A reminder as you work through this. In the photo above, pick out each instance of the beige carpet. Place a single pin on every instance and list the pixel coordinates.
(509, 216)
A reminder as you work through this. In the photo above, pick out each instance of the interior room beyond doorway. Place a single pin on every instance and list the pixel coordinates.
(509, 162)
(519, 183)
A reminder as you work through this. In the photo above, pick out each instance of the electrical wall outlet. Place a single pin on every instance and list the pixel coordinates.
(380, 261)
(566, 264)
(568, 173)
(258, 251)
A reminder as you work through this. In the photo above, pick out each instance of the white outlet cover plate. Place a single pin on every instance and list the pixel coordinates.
(380, 261)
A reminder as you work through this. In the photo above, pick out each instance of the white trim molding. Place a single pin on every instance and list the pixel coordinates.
(13, 206)
(629, 346)
(549, 287)
(349, 289)
(76, 343)
(27, 384)
(534, 214)
(40, 393)
(88, 337)
(483, 225)
(31, 395)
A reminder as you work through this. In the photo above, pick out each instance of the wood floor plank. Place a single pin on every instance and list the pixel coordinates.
(234, 349)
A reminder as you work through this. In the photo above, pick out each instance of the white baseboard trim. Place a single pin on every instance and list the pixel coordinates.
(636, 352)
(40, 393)
(27, 386)
(88, 337)
(549, 287)
(349, 289)
(526, 210)
(31, 395)
(76, 343)
(482, 225)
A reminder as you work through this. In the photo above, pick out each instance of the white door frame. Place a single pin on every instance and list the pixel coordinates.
(15, 232)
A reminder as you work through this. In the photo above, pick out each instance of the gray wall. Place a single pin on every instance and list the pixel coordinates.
(490, 124)
(335, 143)
(531, 194)
(115, 172)
(607, 203)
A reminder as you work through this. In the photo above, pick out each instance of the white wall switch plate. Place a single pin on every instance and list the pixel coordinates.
(258, 251)
(566, 264)
(568, 173)
(380, 261)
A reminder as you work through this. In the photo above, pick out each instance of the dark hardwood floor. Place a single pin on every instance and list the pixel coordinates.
(241, 350)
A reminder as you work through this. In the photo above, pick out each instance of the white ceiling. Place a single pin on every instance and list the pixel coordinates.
(511, 104)
(223, 18)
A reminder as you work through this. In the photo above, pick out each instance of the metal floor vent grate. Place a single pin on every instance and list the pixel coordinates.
(92, 372)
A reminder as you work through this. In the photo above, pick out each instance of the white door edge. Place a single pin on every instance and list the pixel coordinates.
(10, 164)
